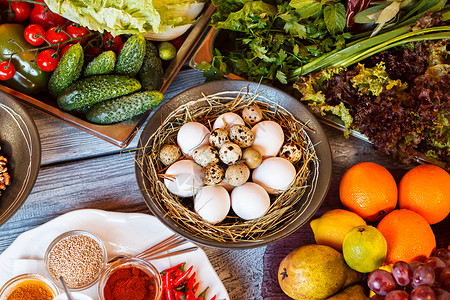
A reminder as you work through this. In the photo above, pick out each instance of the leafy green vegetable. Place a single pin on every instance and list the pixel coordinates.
(127, 16)
(334, 16)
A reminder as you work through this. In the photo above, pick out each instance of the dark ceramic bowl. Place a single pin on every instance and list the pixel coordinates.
(20, 144)
(319, 179)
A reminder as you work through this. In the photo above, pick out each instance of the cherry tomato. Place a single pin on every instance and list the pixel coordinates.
(47, 60)
(20, 11)
(75, 30)
(34, 34)
(47, 19)
(120, 48)
(67, 47)
(7, 70)
(56, 35)
(93, 50)
(111, 43)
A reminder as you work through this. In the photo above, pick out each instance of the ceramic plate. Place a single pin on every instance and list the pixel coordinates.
(20, 144)
(319, 179)
(121, 233)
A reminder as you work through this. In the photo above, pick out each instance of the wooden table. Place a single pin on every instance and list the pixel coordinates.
(79, 171)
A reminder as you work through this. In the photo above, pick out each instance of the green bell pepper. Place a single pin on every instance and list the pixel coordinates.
(29, 79)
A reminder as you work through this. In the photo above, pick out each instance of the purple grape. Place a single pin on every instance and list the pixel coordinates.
(381, 282)
(437, 264)
(423, 275)
(441, 294)
(397, 295)
(423, 292)
(402, 273)
(444, 279)
(442, 253)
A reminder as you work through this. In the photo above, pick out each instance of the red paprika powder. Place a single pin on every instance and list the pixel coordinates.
(129, 283)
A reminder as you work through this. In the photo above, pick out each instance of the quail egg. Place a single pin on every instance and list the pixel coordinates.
(292, 152)
(169, 154)
(183, 178)
(218, 137)
(230, 153)
(250, 201)
(204, 155)
(212, 174)
(252, 114)
(212, 203)
(252, 158)
(242, 136)
(227, 120)
(237, 174)
(192, 135)
(269, 138)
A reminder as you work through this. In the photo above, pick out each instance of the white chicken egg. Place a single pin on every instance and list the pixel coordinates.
(192, 135)
(183, 178)
(269, 138)
(212, 203)
(228, 120)
(250, 201)
(274, 174)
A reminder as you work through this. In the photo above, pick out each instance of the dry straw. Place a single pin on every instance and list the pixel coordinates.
(233, 229)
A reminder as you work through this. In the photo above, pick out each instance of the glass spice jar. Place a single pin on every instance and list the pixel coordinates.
(79, 256)
(28, 286)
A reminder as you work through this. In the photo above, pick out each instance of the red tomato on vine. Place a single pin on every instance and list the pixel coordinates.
(43, 16)
(34, 34)
(64, 50)
(75, 30)
(56, 35)
(47, 60)
(20, 11)
(7, 70)
(111, 43)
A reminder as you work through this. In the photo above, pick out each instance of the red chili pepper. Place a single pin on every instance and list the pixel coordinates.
(169, 294)
(178, 273)
(174, 268)
(178, 280)
(190, 295)
(195, 288)
(178, 295)
(213, 298)
(190, 282)
(203, 294)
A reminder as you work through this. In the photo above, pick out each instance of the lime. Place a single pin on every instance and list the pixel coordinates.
(364, 248)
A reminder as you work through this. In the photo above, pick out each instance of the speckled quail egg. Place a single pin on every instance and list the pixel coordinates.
(242, 136)
(192, 135)
(218, 137)
(237, 174)
(251, 157)
(169, 154)
(204, 155)
(230, 153)
(212, 174)
(227, 120)
(292, 152)
(252, 114)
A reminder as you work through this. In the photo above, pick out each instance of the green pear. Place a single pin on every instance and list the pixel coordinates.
(354, 292)
(315, 272)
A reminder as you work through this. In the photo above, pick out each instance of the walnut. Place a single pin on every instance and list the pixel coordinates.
(5, 179)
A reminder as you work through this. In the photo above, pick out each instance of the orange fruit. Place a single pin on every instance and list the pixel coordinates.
(369, 190)
(408, 235)
(425, 189)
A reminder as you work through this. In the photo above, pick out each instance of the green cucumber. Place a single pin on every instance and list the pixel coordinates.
(123, 108)
(67, 71)
(151, 73)
(84, 93)
(131, 56)
(102, 64)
